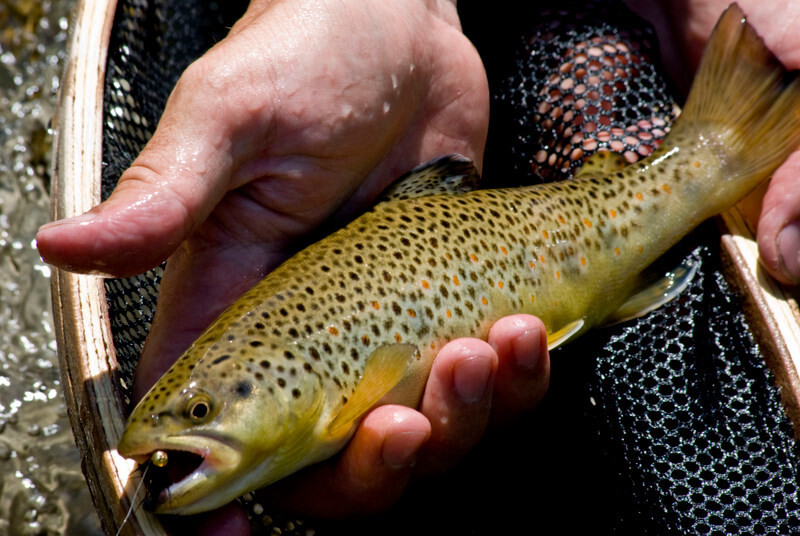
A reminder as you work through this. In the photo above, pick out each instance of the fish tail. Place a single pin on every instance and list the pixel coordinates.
(748, 98)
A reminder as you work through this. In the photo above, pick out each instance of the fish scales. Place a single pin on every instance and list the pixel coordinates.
(281, 379)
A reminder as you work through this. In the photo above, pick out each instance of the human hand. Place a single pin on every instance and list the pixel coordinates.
(778, 227)
(301, 116)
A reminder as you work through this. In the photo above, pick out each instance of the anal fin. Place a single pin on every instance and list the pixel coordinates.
(655, 294)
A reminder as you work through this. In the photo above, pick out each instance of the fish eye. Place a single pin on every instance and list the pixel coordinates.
(198, 410)
(198, 406)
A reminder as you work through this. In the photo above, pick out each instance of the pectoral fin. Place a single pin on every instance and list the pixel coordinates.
(450, 174)
(602, 163)
(385, 368)
(655, 294)
(556, 339)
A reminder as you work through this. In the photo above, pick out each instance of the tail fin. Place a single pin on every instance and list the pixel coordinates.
(741, 86)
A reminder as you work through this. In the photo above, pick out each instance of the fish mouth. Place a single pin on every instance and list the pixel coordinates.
(158, 479)
(194, 476)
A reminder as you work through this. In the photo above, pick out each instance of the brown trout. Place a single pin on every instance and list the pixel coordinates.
(282, 378)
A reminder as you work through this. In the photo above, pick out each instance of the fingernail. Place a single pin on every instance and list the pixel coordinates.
(81, 219)
(527, 349)
(471, 378)
(789, 250)
(399, 451)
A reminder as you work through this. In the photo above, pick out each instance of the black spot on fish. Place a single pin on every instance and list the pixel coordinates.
(220, 359)
(243, 389)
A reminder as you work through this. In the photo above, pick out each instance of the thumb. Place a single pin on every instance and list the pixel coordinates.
(170, 188)
(779, 224)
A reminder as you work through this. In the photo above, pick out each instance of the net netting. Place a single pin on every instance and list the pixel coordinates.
(669, 424)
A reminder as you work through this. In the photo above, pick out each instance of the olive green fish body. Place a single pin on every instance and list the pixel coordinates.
(281, 379)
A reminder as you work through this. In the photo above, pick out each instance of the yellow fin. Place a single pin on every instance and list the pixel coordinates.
(556, 339)
(385, 368)
(602, 163)
(450, 174)
(655, 294)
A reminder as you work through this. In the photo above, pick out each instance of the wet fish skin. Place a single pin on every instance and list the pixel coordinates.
(281, 379)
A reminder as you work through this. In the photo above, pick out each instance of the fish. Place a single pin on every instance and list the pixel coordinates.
(281, 379)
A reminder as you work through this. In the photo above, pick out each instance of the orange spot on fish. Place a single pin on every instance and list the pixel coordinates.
(474, 257)
(666, 188)
(583, 261)
(639, 196)
(616, 251)
(425, 285)
(541, 258)
(696, 164)
(504, 250)
(561, 219)
(412, 313)
(533, 298)
(398, 337)
(448, 256)
(544, 234)
(484, 301)
(333, 331)
(533, 266)
(448, 313)
(376, 305)
(612, 213)
(558, 274)
(456, 281)
(499, 284)
(587, 223)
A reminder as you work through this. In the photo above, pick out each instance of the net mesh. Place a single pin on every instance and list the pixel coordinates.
(669, 424)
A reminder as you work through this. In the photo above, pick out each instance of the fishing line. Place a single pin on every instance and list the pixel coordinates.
(135, 493)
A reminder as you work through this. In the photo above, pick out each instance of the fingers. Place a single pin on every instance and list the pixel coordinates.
(523, 373)
(457, 401)
(779, 224)
(473, 382)
(369, 475)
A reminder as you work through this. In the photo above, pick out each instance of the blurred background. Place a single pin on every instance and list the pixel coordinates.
(42, 490)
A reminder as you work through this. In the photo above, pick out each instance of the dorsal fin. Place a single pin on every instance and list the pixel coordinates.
(449, 174)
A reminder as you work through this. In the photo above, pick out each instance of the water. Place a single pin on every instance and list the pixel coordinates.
(42, 490)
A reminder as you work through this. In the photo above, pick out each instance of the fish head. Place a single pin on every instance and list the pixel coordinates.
(227, 427)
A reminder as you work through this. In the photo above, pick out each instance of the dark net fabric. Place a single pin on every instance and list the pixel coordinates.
(670, 424)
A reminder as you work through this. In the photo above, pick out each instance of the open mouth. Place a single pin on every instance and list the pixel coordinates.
(183, 474)
(159, 478)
